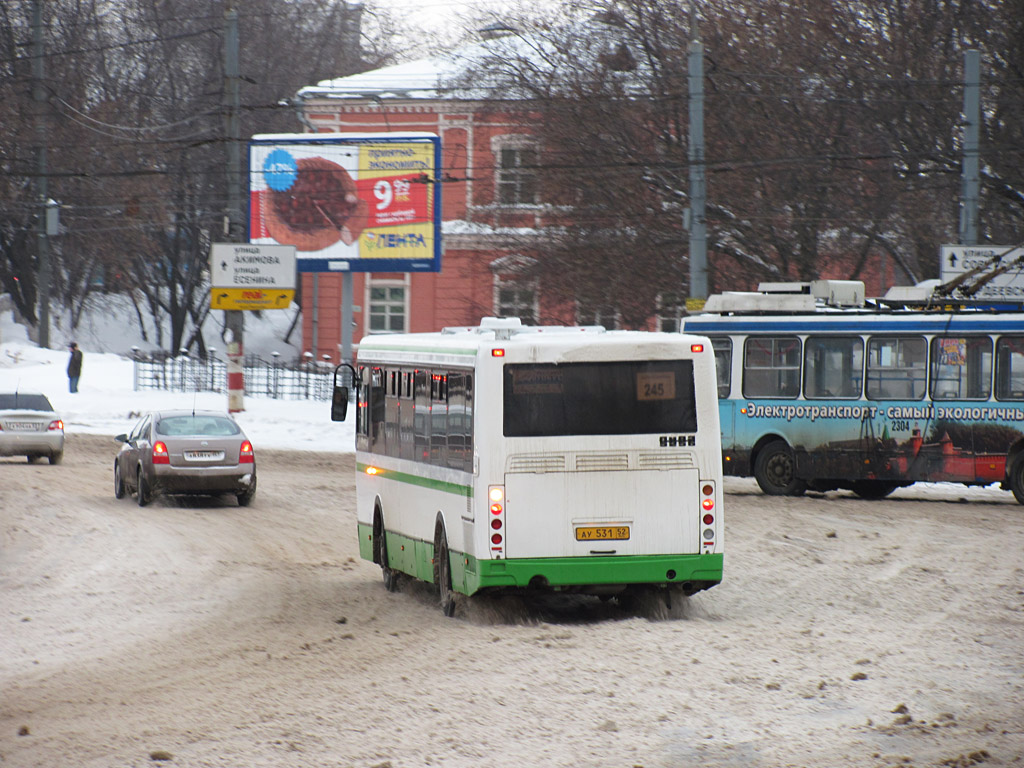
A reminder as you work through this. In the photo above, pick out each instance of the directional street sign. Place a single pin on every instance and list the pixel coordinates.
(248, 276)
(986, 271)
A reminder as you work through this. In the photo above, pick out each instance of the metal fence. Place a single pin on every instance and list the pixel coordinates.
(302, 379)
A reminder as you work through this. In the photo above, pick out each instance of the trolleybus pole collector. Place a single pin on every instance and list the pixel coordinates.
(506, 457)
(821, 388)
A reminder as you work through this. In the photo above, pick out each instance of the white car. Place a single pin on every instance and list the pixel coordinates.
(30, 427)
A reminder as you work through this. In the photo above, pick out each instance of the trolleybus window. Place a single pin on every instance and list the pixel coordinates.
(723, 363)
(620, 398)
(833, 367)
(771, 367)
(896, 368)
(1010, 368)
(961, 368)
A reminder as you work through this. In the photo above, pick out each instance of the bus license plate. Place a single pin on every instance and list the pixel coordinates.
(602, 533)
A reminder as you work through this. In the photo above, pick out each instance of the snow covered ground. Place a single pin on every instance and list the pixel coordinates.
(106, 403)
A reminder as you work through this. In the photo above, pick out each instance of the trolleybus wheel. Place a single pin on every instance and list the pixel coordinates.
(774, 470)
(873, 489)
(443, 573)
(1017, 478)
(390, 575)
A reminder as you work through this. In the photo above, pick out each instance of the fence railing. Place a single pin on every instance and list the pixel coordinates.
(302, 379)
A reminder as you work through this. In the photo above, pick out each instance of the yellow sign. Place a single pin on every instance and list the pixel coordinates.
(251, 298)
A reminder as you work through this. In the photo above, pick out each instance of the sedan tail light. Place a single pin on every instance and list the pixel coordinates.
(160, 455)
(56, 425)
(246, 455)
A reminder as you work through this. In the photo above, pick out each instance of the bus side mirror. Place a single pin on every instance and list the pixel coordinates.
(339, 403)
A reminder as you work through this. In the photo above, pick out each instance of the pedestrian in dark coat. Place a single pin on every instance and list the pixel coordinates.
(74, 366)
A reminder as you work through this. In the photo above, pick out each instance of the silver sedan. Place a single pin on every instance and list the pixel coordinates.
(185, 452)
(30, 427)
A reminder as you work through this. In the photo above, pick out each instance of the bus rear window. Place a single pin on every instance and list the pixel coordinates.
(623, 398)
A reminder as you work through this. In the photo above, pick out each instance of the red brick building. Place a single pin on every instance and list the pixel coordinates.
(490, 208)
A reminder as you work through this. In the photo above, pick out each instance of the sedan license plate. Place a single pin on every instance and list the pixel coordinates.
(22, 426)
(204, 455)
(602, 533)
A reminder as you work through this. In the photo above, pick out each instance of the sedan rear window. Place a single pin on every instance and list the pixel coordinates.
(12, 401)
(208, 426)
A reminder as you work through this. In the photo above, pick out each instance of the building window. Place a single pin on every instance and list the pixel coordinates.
(517, 176)
(516, 291)
(516, 299)
(597, 314)
(387, 307)
(670, 312)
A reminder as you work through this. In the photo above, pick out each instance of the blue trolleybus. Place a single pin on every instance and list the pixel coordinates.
(820, 388)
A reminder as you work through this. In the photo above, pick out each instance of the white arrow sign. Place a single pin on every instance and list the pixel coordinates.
(244, 265)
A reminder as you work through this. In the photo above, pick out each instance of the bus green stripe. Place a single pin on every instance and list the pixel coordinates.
(365, 347)
(470, 575)
(420, 480)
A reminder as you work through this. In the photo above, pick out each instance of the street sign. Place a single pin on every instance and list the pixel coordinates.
(983, 271)
(249, 276)
(250, 298)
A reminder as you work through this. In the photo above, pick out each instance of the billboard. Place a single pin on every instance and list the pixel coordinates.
(348, 202)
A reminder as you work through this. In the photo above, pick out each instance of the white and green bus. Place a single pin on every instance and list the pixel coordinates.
(505, 457)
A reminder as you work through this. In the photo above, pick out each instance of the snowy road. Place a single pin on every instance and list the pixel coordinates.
(847, 633)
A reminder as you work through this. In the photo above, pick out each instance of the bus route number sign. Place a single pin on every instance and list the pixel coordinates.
(656, 386)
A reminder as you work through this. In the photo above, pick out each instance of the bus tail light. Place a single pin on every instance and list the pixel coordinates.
(707, 503)
(160, 455)
(496, 505)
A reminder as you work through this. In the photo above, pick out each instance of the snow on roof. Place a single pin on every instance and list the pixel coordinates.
(440, 76)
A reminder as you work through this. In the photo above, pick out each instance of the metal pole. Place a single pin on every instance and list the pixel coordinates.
(972, 141)
(234, 320)
(346, 316)
(43, 241)
(698, 190)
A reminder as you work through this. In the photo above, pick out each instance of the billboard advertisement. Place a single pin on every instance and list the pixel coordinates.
(348, 202)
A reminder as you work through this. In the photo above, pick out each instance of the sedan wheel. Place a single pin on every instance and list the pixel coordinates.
(143, 486)
(119, 489)
(245, 497)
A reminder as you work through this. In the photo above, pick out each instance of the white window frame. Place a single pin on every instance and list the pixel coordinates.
(518, 143)
(368, 313)
(513, 271)
(671, 307)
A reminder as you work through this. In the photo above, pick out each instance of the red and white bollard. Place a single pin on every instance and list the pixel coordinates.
(236, 378)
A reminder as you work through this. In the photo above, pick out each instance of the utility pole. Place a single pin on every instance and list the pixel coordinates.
(698, 187)
(43, 241)
(234, 319)
(972, 142)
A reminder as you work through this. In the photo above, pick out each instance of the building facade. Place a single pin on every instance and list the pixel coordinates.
(491, 212)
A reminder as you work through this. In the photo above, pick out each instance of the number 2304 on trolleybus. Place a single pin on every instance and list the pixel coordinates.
(820, 388)
(506, 457)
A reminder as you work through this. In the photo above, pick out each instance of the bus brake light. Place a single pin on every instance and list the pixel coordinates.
(708, 503)
(497, 353)
(696, 348)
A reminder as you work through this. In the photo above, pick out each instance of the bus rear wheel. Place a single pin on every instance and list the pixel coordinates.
(443, 573)
(390, 575)
(775, 468)
(1017, 478)
(873, 489)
